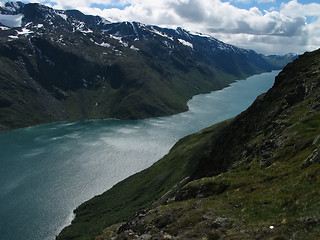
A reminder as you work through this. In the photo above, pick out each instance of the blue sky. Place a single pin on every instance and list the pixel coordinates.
(266, 5)
(262, 5)
(266, 26)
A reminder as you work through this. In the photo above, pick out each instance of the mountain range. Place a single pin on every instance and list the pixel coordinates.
(255, 176)
(63, 65)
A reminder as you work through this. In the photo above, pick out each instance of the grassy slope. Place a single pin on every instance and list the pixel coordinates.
(140, 190)
(247, 171)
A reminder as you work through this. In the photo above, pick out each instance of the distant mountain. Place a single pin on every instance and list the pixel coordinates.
(63, 65)
(252, 177)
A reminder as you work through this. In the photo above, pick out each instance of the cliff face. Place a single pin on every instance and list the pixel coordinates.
(252, 177)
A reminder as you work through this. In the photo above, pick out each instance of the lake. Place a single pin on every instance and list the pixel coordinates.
(47, 171)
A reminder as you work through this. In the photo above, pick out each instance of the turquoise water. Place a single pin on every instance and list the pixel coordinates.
(47, 171)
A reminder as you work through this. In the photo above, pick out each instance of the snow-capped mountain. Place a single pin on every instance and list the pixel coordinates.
(123, 70)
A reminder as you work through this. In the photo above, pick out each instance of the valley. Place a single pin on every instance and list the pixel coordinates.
(88, 107)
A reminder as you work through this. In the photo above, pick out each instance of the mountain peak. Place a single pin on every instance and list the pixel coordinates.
(64, 52)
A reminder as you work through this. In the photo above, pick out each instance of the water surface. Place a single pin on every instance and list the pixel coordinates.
(46, 171)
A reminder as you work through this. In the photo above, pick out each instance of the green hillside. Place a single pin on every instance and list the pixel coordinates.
(252, 177)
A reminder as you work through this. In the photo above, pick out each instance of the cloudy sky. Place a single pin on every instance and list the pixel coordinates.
(266, 26)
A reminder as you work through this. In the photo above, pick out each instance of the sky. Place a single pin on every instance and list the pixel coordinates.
(266, 26)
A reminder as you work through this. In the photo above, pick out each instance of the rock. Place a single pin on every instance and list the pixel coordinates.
(311, 222)
(297, 96)
(167, 236)
(316, 139)
(207, 217)
(220, 222)
(214, 187)
(186, 193)
(313, 158)
(144, 237)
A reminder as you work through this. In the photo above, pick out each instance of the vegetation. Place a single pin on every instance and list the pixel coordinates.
(252, 177)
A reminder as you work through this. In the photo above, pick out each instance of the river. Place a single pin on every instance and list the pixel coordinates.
(47, 171)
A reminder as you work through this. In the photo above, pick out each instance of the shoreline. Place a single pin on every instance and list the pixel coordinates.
(230, 85)
(4, 129)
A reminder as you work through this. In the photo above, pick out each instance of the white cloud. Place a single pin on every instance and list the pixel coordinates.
(267, 32)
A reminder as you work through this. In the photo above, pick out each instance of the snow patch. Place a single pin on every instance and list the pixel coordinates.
(200, 34)
(13, 37)
(86, 31)
(64, 16)
(85, 83)
(103, 44)
(135, 30)
(103, 21)
(120, 40)
(134, 48)
(116, 37)
(24, 31)
(186, 43)
(81, 27)
(4, 28)
(11, 20)
(28, 24)
(161, 33)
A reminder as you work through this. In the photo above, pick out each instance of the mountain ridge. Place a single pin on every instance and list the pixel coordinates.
(67, 66)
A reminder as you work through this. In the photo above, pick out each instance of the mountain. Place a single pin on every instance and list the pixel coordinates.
(255, 176)
(65, 66)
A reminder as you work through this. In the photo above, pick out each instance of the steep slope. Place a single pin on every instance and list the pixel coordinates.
(64, 65)
(252, 177)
